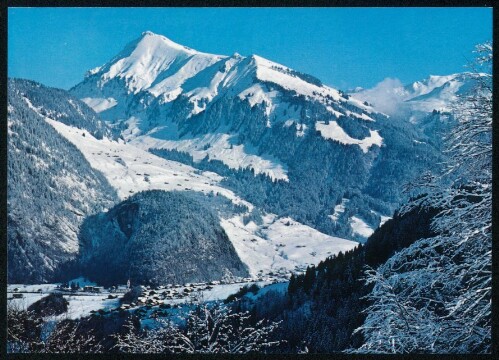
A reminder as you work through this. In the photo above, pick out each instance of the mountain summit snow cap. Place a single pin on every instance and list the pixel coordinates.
(151, 39)
(147, 32)
(149, 35)
(154, 64)
(144, 62)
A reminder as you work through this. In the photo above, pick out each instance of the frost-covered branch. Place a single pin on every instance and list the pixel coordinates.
(209, 328)
(28, 332)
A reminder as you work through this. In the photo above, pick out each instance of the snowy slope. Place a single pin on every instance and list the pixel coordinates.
(100, 105)
(335, 132)
(218, 147)
(130, 169)
(339, 209)
(281, 243)
(277, 244)
(360, 227)
(142, 62)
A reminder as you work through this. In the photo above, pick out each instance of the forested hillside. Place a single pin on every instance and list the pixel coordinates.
(323, 307)
(157, 237)
(51, 187)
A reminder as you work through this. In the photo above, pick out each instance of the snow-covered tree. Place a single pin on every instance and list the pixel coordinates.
(23, 330)
(435, 295)
(208, 328)
(29, 332)
(67, 337)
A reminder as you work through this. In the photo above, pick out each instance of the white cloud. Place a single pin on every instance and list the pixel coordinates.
(386, 96)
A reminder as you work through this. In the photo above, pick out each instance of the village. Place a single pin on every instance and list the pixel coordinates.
(89, 299)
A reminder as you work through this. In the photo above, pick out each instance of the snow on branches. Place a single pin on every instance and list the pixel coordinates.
(207, 328)
(28, 332)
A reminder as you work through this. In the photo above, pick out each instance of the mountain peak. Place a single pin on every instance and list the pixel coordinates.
(148, 33)
(149, 38)
(159, 43)
(142, 61)
(435, 92)
(159, 66)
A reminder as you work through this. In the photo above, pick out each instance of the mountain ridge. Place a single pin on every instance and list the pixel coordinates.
(51, 187)
(170, 66)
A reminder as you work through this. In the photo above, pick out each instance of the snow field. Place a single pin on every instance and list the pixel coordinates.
(281, 244)
(360, 227)
(335, 132)
(218, 147)
(130, 169)
(99, 104)
(339, 209)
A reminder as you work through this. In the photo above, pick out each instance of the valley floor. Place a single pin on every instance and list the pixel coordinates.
(84, 303)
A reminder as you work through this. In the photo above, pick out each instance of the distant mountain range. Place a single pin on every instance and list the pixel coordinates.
(416, 100)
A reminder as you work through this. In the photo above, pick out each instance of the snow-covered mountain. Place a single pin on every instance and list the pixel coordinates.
(414, 101)
(155, 81)
(295, 169)
(321, 146)
(155, 68)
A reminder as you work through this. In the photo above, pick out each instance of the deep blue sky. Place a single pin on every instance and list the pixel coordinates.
(344, 47)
